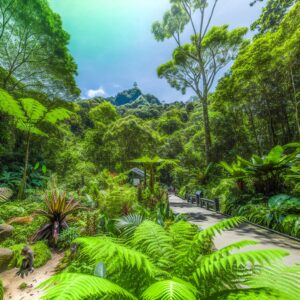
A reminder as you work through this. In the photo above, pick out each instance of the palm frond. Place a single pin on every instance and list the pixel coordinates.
(73, 286)
(170, 290)
(285, 279)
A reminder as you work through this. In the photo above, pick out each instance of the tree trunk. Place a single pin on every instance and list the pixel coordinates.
(24, 178)
(208, 154)
(296, 103)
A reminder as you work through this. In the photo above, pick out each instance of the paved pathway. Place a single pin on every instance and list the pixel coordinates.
(267, 239)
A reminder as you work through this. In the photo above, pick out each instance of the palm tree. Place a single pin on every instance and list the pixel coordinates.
(177, 263)
(29, 115)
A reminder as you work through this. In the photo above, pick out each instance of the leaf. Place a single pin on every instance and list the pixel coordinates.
(36, 166)
(72, 286)
(170, 290)
(44, 169)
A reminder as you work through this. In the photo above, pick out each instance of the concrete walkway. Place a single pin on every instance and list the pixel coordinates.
(267, 239)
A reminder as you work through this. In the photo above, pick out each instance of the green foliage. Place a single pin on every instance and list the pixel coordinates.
(66, 237)
(86, 287)
(41, 254)
(172, 263)
(171, 289)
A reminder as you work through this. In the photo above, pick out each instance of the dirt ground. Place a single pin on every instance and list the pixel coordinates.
(12, 282)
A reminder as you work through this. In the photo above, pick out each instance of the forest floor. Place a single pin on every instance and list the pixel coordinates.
(12, 282)
(266, 239)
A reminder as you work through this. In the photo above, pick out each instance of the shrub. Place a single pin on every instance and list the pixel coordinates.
(66, 237)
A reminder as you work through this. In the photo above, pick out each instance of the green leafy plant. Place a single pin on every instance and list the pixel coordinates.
(30, 114)
(174, 263)
(58, 207)
(267, 171)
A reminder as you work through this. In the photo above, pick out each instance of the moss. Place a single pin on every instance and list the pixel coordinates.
(23, 286)
(41, 254)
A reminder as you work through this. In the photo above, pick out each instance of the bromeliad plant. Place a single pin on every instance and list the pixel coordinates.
(58, 208)
(174, 263)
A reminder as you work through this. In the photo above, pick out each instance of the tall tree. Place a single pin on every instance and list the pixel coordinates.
(29, 114)
(33, 50)
(195, 65)
(272, 14)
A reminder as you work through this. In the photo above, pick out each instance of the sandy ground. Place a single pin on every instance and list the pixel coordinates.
(266, 239)
(12, 282)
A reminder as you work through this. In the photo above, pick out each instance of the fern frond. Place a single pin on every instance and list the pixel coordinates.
(57, 114)
(10, 106)
(182, 232)
(209, 267)
(153, 240)
(170, 290)
(73, 286)
(211, 231)
(33, 109)
(128, 224)
(116, 257)
(248, 294)
(285, 279)
(228, 249)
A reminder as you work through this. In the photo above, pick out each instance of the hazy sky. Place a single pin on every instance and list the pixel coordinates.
(112, 43)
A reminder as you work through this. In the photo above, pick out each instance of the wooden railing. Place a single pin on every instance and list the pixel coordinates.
(208, 204)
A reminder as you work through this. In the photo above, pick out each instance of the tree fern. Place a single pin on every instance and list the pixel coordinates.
(153, 240)
(73, 286)
(116, 256)
(170, 290)
(128, 224)
(228, 249)
(211, 231)
(284, 279)
(209, 267)
(248, 294)
(9, 105)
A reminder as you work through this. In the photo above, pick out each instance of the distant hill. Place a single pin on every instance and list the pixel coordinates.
(132, 98)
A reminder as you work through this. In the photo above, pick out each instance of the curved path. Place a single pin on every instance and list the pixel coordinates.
(12, 282)
(267, 239)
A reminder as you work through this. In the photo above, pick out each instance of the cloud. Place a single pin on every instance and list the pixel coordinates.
(95, 93)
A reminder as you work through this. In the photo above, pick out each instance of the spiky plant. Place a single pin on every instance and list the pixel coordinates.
(58, 207)
(177, 263)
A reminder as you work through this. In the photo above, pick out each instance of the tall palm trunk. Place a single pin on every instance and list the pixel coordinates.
(22, 187)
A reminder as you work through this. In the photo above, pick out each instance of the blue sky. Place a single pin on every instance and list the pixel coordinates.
(112, 43)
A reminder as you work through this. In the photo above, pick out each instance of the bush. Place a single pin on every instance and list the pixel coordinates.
(118, 201)
(66, 237)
